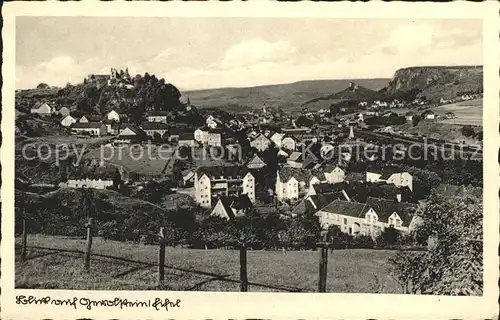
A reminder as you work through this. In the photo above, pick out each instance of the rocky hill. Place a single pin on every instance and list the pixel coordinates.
(436, 82)
(353, 92)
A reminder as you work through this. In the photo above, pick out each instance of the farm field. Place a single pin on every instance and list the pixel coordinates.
(131, 159)
(127, 266)
(466, 112)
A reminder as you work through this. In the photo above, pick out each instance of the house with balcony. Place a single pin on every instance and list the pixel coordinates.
(212, 182)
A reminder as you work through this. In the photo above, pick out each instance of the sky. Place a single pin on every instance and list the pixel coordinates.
(202, 53)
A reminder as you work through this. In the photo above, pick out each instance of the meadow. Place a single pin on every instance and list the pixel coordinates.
(57, 263)
(466, 112)
(151, 163)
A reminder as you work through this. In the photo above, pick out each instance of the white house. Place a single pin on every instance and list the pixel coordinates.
(334, 174)
(391, 176)
(64, 111)
(211, 123)
(68, 121)
(90, 128)
(293, 183)
(212, 182)
(369, 218)
(276, 139)
(260, 142)
(42, 109)
(288, 143)
(90, 183)
(157, 116)
(113, 115)
(231, 207)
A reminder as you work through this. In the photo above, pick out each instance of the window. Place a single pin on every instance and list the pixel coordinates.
(345, 220)
(398, 223)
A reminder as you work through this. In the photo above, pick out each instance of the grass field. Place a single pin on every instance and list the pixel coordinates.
(466, 112)
(125, 266)
(148, 164)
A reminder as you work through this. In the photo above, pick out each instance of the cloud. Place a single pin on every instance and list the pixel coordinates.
(57, 71)
(255, 51)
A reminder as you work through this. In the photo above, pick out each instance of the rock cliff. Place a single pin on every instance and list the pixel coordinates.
(437, 82)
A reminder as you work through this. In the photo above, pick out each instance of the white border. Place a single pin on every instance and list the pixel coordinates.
(202, 305)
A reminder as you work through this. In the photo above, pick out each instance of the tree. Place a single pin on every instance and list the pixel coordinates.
(453, 263)
(468, 131)
(43, 86)
(117, 179)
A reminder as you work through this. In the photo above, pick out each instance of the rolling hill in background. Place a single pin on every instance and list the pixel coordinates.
(290, 96)
(354, 93)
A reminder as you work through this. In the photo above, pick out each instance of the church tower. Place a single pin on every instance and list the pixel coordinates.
(351, 133)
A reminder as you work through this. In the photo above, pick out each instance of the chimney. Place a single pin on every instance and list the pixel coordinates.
(398, 197)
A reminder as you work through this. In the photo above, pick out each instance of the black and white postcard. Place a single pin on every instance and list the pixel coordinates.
(250, 160)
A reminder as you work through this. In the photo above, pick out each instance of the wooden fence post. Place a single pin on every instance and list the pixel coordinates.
(161, 256)
(24, 242)
(243, 269)
(88, 248)
(323, 262)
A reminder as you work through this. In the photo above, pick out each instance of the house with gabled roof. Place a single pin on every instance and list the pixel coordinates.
(276, 138)
(368, 218)
(90, 118)
(231, 207)
(289, 143)
(41, 108)
(260, 142)
(292, 183)
(67, 121)
(391, 175)
(255, 163)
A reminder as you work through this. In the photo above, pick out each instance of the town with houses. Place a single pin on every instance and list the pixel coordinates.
(273, 171)
(366, 167)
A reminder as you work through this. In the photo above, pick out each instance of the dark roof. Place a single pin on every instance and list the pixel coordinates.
(157, 113)
(346, 208)
(186, 136)
(86, 125)
(384, 208)
(154, 126)
(321, 188)
(322, 200)
(177, 130)
(92, 117)
(225, 171)
(386, 172)
(301, 175)
(241, 202)
(138, 131)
